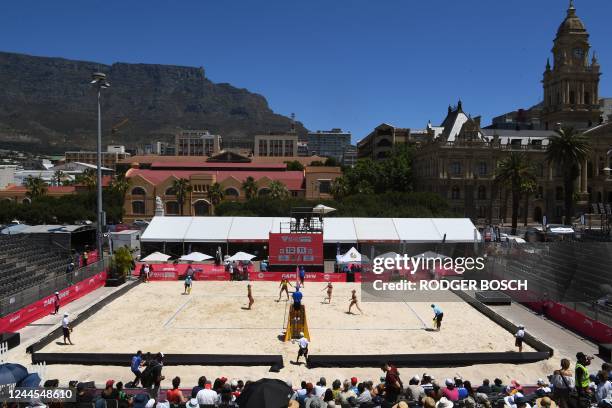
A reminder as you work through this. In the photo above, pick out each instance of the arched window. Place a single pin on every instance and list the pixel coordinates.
(171, 191)
(201, 208)
(559, 193)
(263, 192)
(138, 191)
(455, 193)
(482, 193)
(172, 208)
(138, 207)
(231, 192)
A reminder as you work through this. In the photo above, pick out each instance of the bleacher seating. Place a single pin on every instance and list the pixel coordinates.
(25, 263)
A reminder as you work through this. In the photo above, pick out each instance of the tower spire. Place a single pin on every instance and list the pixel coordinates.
(571, 11)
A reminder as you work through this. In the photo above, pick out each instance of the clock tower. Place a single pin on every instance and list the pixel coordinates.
(571, 85)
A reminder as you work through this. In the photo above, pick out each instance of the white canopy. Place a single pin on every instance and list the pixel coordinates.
(346, 230)
(156, 257)
(241, 256)
(195, 257)
(431, 255)
(323, 209)
(352, 255)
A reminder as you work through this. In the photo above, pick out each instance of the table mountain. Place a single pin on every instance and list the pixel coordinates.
(48, 105)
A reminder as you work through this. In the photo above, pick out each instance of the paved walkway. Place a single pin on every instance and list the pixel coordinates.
(564, 342)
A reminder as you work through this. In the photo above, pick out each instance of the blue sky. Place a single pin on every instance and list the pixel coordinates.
(336, 63)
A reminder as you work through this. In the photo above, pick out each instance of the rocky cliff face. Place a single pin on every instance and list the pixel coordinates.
(47, 104)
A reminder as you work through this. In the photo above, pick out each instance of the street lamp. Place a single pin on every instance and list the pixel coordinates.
(98, 80)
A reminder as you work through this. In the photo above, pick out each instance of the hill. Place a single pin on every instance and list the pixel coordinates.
(48, 105)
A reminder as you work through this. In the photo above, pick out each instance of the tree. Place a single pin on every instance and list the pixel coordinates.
(182, 188)
(339, 188)
(568, 150)
(278, 190)
(120, 185)
(88, 179)
(249, 186)
(36, 187)
(122, 261)
(58, 177)
(513, 171)
(216, 194)
(331, 162)
(528, 187)
(294, 165)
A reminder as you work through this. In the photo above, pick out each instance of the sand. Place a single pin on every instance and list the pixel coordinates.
(157, 317)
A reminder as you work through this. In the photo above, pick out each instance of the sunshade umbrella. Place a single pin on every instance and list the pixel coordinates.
(267, 392)
(31, 381)
(195, 257)
(323, 209)
(156, 257)
(12, 373)
(241, 256)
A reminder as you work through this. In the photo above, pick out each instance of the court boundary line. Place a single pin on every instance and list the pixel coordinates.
(165, 326)
(417, 315)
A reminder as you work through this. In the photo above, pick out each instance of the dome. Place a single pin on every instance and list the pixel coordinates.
(572, 23)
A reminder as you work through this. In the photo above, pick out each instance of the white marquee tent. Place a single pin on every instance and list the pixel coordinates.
(344, 230)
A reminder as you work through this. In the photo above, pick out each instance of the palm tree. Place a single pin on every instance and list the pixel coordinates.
(278, 190)
(120, 184)
(339, 188)
(182, 188)
(58, 176)
(512, 171)
(88, 178)
(215, 193)
(250, 187)
(528, 187)
(36, 187)
(568, 150)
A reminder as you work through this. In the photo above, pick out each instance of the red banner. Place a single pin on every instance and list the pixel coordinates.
(295, 249)
(310, 276)
(45, 306)
(169, 271)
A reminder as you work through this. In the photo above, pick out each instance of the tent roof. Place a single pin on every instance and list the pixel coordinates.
(336, 229)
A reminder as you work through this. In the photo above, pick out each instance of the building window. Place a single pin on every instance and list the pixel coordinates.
(231, 192)
(171, 191)
(559, 193)
(482, 193)
(540, 193)
(587, 98)
(456, 168)
(288, 147)
(138, 191)
(200, 208)
(384, 143)
(172, 208)
(263, 147)
(325, 186)
(455, 193)
(482, 211)
(572, 97)
(482, 169)
(263, 192)
(138, 207)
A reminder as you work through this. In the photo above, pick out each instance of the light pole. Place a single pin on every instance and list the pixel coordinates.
(98, 80)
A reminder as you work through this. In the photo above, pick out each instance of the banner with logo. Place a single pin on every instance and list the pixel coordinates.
(169, 271)
(295, 249)
(45, 306)
(310, 276)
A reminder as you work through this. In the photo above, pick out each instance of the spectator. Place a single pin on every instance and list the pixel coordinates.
(450, 392)
(543, 388)
(175, 395)
(393, 383)
(545, 402)
(485, 388)
(83, 394)
(426, 382)
(414, 391)
(328, 396)
(354, 385)
(364, 395)
(321, 387)
(109, 393)
(207, 397)
(199, 387)
(498, 386)
(226, 398)
(124, 399)
(429, 402)
(582, 373)
(563, 382)
(603, 391)
(444, 403)
(192, 403)
(346, 394)
(336, 389)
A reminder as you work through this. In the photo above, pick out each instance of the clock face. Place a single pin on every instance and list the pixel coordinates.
(578, 52)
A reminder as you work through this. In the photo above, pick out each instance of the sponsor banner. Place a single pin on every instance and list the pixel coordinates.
(585, 326)
(310, 276)
(295, 249)
(45, 306)
(169, 271)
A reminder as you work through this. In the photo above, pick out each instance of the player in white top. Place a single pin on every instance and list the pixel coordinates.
(66, 328)
(303, 351)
